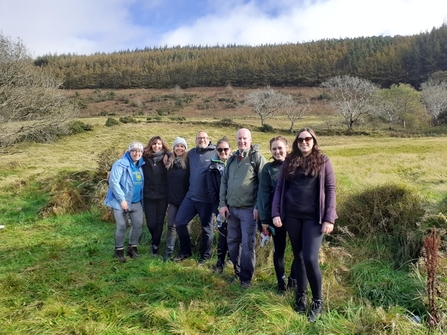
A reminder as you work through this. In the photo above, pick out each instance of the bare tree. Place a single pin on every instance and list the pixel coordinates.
(295, 109)
(267, 103)
(31, 104)
(401, 104)
(434, 96)
(351, 96)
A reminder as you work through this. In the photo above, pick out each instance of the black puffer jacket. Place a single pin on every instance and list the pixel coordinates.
(155, 179)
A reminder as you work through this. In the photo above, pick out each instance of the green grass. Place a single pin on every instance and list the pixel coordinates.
(58, 274)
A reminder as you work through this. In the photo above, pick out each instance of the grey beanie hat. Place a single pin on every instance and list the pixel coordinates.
(180, 140)
(136, 146)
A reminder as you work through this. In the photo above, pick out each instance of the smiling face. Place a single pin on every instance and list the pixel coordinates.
(305, 143)
(135, 154)
(179, 149)
(279, 150)
(223, 151)
(156, 146)
(202, 140)
(243, 139)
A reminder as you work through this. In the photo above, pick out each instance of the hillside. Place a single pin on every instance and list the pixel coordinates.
(383, 60)
(220, 102)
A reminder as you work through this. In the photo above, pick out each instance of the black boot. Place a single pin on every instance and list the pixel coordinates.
(132, 252)
(219, 266)
(282, 286)
(301, 303)
(119, 253)
(154, 249)
(316, 308)
(291, 283)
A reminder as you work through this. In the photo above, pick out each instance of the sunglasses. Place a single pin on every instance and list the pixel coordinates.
(222, 149)
(307, 139)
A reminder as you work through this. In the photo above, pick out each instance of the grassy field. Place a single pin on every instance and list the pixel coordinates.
(58, 276)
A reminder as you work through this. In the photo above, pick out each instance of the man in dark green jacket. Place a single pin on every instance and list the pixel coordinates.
(238, 196)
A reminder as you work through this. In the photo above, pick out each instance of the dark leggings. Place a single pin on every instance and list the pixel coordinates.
(279, 242)
(222, 245)
(155, 211)
(305, 237)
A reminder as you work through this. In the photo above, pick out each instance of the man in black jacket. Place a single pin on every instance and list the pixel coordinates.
(197, 200)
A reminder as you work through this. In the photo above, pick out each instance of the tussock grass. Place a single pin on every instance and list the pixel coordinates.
(58, 276)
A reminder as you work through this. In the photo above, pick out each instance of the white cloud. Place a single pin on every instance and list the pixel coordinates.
(299, 22)
(88, 26)
(77, 26)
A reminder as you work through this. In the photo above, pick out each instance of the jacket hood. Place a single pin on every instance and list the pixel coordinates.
(210, 147)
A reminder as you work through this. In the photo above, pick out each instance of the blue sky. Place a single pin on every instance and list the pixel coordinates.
(84, 27)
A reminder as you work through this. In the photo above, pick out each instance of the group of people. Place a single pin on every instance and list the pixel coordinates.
(292, 195)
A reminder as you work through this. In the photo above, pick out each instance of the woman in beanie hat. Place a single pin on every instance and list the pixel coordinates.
(125, 197)
(155, 188)
(178, 184)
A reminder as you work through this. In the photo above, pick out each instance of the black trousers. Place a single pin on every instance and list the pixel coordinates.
(155, 212)
(306, 237)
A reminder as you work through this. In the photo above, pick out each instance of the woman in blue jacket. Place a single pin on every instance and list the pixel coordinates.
(125, 197)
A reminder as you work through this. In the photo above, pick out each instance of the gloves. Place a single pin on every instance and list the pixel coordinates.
(265, 237)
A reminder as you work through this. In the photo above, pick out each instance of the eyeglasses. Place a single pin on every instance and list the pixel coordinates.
(222, 149)
(138, 151)
(307, 139)
(202, 138)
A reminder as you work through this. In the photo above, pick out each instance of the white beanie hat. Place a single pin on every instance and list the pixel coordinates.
(180, 140)
(136, 146)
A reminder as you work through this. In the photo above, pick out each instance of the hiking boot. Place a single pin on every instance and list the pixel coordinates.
(281, 289)
(316, 308)
(246, 284)
(166, 256)
(219, 266)
(181, 257)
(291, 283)
(301, 303)
(119, 253)
(132, 252)
(154, 249)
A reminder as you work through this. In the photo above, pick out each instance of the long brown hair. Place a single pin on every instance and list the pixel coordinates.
(183, 159)
(311, 164)
(148, 152)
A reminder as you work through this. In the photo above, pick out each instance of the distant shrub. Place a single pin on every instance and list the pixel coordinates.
(112, 122)
(266, 128)
(387, 208)
(77, 127)
(127, 119)
(229, 89)
(177, 118)
(389, 214)
(46, 134)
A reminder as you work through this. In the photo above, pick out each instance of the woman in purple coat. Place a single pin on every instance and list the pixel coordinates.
(304, 202)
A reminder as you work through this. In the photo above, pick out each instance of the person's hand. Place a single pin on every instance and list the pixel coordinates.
(327, 228)
(265, 227)
(224, 212)
(277, 221)
(255, 214)
(124, 205)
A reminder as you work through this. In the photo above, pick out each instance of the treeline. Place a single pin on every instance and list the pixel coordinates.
(382, 60)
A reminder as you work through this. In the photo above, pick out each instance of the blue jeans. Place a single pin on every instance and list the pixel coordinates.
(241, 238)
(187, 211)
